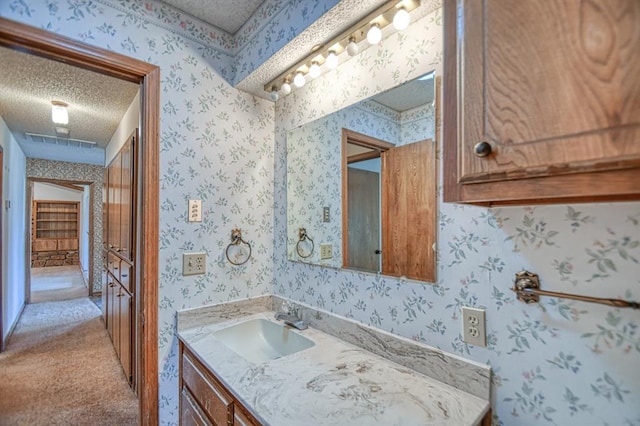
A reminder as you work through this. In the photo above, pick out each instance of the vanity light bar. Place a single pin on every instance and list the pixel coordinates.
(381, 17)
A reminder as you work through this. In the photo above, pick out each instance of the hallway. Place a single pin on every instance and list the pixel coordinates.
(57, 283)
(60, 367)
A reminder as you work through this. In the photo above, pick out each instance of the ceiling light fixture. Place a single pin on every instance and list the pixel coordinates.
(273, 95)
(396, 12)
(59, 113)
(314, 70)
(374, 35)
(352, 47)
(286, 87)
(299, 80)
(401, 19)
(332, 60)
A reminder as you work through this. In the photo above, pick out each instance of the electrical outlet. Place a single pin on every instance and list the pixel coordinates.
(473, 326)
(326, 251)
(194, 263)
(326, 215)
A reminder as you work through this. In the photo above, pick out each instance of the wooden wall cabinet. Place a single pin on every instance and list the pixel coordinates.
(542, 101)
(204, 400)
(119, 201)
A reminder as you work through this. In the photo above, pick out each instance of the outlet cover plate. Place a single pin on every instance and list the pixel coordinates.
(326, 251)
(194, 263)
(473, 326)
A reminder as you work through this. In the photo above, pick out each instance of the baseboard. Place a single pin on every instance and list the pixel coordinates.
(7, 337)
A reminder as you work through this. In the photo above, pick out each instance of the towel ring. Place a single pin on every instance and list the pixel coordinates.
(302, 235)
(236, 239)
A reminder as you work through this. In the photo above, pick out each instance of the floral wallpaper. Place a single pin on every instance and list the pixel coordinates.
(217, 145)
(80, 172)
(314, 169)
(559, 362)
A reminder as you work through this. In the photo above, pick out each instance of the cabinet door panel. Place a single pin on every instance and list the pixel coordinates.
(126, 185)
(553, 95)
(125, 332)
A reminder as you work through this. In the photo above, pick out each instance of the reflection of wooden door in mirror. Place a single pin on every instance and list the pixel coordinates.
(409, 203)
(364, 219)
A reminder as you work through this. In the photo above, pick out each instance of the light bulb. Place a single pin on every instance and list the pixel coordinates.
(401, 19)
(332, 60)
(299, 80)
(352, 47)
(59, 114)
(314, 70)
(273, 95)
(374, 35)
(285, 88)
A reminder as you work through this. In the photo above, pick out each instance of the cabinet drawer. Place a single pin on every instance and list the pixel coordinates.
(126, 278)
(214, 400)
(190, 412)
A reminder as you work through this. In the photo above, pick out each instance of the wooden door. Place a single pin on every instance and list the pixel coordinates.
(409, 204)
(363, 219)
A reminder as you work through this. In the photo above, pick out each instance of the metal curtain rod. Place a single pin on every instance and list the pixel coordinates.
(527, 287)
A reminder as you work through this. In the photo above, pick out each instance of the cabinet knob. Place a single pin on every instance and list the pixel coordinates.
(482, 149)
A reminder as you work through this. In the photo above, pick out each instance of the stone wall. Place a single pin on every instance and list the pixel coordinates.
(54, 258)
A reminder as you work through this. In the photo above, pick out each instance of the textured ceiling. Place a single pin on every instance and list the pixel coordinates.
(29, 83)
(228, 15)
(408, 96)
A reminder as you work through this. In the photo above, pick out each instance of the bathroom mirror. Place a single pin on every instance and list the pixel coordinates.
(361, 185)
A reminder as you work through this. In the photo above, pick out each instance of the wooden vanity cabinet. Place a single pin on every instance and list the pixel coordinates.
(204, 400)
(542, 101)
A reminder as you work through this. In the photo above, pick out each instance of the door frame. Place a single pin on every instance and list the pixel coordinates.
(42, 43)
(29, 214)
(378, 146)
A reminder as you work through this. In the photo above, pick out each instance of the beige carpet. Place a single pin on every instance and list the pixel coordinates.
(61, 369)
(57, 283)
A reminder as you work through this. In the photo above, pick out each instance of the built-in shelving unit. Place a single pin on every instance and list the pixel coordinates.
(55, 225)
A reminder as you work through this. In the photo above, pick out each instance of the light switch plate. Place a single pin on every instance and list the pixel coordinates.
(326, 215)
(194, 263)
(195, 211)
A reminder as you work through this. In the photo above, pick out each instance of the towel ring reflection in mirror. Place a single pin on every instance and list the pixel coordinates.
(236, 240)
(302, 237)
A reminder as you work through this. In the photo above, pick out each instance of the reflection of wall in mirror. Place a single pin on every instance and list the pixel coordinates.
(314, 177)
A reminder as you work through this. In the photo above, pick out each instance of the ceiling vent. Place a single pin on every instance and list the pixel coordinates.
(54, 140)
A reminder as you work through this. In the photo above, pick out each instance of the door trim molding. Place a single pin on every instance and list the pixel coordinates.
(42, 43)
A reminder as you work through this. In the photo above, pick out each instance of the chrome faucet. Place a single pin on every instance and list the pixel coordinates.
(290, 317)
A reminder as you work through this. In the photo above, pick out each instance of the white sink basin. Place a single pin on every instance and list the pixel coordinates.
(259, 340)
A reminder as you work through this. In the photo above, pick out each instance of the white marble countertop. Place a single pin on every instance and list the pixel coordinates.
(333, 382)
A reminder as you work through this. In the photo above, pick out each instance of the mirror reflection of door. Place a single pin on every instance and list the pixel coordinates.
(364, 210)
(388, 197)
(362, 205)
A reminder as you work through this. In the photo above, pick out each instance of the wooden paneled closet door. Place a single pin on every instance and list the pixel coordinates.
(408, 202)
